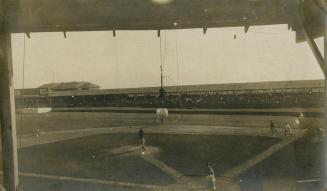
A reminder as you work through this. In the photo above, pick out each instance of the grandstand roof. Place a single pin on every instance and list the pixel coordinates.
(231, 87)
(208, 87)
(99, 15)
(62, 86)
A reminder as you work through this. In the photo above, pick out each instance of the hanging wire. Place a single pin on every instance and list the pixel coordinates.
(115, 56)
(170, 80)
(21, 96)
(177, 59)
(165, 50)
(163, 54)
(177, 71)
(160, 52)
(160, 46)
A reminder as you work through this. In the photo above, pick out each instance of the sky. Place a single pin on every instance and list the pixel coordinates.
(132, 58)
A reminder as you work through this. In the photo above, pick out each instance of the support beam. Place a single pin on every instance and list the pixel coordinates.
(114, 33)
(324, 166)
(315, 50)
(7, 114)
(7, 106)
(65, 34)
(158, 33)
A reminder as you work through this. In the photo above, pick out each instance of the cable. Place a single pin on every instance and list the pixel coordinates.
(177, 59)
(160, 51)
(170, 80)
(177, 71)
(115, 57)
(165, 50)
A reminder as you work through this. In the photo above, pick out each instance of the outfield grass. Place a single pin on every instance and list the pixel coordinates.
(26, 123)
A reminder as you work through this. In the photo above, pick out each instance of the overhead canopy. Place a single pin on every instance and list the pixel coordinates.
(92, 15)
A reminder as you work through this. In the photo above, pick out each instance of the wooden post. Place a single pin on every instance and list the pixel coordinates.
(7, 113)
(324, 166)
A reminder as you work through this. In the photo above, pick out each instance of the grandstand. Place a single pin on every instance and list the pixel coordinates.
(279, 94)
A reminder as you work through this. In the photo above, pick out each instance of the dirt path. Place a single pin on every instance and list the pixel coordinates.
(236, 171)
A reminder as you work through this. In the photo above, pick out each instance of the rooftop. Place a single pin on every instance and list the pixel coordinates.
(69, 86)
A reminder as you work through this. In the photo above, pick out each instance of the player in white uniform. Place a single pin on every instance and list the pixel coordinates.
(288, 129)
(212, 177)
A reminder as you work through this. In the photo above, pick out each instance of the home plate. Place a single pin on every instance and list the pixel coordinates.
(149, 150)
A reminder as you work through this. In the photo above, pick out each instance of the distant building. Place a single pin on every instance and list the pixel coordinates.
(47, 89)
(69, 86)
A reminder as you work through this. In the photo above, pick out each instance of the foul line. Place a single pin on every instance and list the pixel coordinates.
(94, 181)
(236, 171)
(161, 165)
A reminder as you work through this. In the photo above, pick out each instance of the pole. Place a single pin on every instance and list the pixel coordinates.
(7, 110)
(161, 80)
(324, 170)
